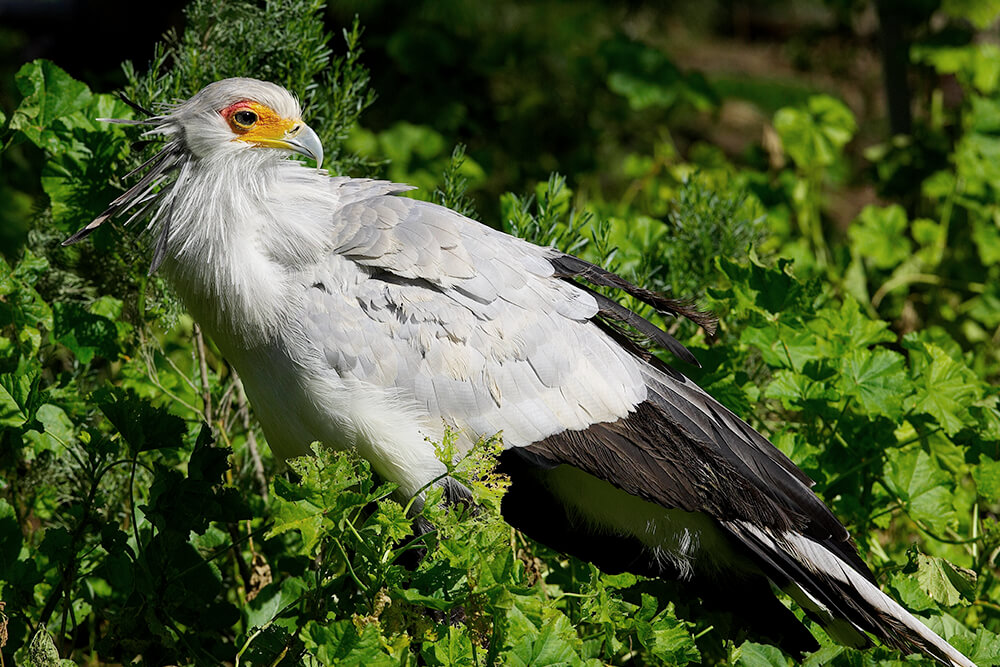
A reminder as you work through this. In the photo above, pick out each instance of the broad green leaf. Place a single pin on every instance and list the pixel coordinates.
(42, 651)
(85, 334)
(171, 493)
(925, 489)
(983, 649)
(18, 398)
(273, 599)
(782, 344)
(646, 77)
(910, 593)
(976, 65)
(551, 644)
(10, 537)
(796, 389)
(755, 288)
(986, 234)
(454, 648)
(761, 655)
(391, 520)
(664, 635)
(879, 235)
(942, 582)
(814, 136)
(141, 424)
(944, 387)
(877, 381)
(341, 643)
(325, 489)
(437, 587)
(987, 476)
(842, 330)
(985, 308)
(930, 236)
(58, 429)
(976, 158)
(982, 13)
(49, 94)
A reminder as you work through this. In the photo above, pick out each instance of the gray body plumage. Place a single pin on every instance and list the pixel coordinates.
(371, 321)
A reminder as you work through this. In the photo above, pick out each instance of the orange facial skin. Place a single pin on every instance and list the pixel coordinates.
(258, 124)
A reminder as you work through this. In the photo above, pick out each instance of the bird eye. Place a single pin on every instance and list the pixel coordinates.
(245, 118)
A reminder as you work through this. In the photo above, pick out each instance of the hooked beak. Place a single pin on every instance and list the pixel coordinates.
(300, 139)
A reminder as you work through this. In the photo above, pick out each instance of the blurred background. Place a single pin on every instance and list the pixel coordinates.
(580, 87)
(822, 174)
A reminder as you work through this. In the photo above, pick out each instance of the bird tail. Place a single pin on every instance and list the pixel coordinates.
(834, 593)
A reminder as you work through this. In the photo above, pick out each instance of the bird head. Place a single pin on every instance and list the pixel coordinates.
(242, 114)
(222, 119)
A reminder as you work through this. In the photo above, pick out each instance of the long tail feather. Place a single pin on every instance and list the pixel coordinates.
(839, 593)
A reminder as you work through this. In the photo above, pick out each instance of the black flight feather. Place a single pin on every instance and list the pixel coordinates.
(135, 106)
(161, 164)
(609, 308)
(568, 266)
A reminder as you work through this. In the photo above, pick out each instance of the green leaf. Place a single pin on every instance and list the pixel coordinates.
(57, 429)
(392, 522)
(49, 94)
(783, 344)
(986, 234)
(42, 652)
(646, 77)
(436, 586)
(172, 494)
(942, 581)
(944, 387)
(814, 136)
(987, 476)
(910, 593)
(85, 334)
(879, 235)
(294, 512)
(454, 648)
(755, 288)
(325, 490)
(141, 424)
(976, 65)
(18, 398)
(273, 599)
(842, 330)
(761, 655)
(796, 389)
(983, 649)
(10, 536)
(341, 643)
(552, 644)
(926, 490)
(982, 13)
(665, 636)
(876, 380)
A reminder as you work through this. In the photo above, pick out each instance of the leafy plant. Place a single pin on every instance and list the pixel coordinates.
(141, 521)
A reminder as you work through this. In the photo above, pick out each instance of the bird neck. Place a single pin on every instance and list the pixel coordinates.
(237, 230)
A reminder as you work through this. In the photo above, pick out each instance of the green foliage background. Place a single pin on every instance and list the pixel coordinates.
(142, 520)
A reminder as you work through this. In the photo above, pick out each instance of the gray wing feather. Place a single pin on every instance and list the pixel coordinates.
(464, 320)
(479, 329)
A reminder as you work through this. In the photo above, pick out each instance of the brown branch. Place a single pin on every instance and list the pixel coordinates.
(234, 533)
(244, 412)
(206, 394)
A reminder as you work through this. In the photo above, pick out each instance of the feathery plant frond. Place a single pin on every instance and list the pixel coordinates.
(238, 39)
(453, 192)
(706, 222)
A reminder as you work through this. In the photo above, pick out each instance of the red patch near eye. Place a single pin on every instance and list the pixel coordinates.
(233, 108)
